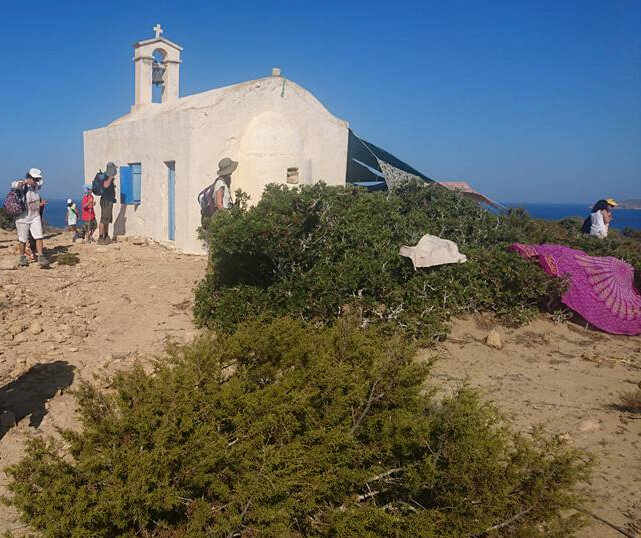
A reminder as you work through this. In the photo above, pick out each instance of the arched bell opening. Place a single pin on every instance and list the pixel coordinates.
(158, 74)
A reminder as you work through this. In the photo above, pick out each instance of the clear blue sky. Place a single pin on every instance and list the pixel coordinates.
(534, 101)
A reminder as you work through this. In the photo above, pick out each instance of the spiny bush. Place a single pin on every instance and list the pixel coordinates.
(288, 430)
(67, 258)
(630, 401)
(6, 222)
(314, 252)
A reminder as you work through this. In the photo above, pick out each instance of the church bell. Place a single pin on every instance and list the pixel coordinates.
(157, 73)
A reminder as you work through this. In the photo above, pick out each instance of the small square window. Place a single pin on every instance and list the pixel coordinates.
(292, 175)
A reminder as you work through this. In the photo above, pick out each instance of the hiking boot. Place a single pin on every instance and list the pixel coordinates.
(43, 261)
(24, 261)
(107, 241)
(101, 241)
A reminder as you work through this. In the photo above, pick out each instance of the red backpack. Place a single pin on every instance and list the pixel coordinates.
(207, 201)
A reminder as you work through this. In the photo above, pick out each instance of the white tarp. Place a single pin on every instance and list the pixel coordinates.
(432, 250)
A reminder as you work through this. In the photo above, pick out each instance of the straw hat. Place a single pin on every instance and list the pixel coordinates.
(226, 166)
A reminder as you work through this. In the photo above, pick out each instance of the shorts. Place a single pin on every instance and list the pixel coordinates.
(106, 210)
(29, 224)
(89, 225)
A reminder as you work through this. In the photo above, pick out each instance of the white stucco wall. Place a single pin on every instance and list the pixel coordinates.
(151, 142)
(268, 130)
(256, 123)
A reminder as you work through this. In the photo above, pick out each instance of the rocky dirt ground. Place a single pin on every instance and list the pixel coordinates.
(568, 379)
(60, 325)
(123, 301)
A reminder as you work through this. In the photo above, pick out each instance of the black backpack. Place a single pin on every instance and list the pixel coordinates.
(97, 186)
(585, 227)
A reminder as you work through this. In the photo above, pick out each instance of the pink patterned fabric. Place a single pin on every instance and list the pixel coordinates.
(601, 288)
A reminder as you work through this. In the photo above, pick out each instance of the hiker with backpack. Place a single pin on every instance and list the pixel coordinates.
(218, 195)
(88, 214)
(24, 203)
(103, 185)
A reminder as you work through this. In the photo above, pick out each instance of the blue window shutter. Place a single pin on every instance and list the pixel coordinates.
(126, 185)
(136, 169)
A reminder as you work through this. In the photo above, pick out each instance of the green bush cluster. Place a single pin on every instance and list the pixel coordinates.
(316, 251)
(6, 221)
(68, 258)
(287, 430)
(313, 418)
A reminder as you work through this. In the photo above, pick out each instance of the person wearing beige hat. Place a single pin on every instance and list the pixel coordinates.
(218, 195)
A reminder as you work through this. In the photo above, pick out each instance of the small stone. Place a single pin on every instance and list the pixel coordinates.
(80, 331)
(19, 338)
(73, 349)
(35, 328)
(493, 339)
(17, 328)
(588, 425)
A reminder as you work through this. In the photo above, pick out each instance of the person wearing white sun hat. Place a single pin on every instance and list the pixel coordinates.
(72, 218)
(30, 220)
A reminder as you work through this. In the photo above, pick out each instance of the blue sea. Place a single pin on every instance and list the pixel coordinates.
(56, 210)
(623, 218)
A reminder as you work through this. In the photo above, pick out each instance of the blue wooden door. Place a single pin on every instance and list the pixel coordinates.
(171, 198)
(126, 185)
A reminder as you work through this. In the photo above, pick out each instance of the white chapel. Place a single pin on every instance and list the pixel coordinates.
(168, 147)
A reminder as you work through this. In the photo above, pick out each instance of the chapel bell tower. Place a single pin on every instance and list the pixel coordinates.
(157, 63)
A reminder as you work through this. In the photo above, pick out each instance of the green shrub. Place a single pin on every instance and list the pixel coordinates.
(314, 252)
(630, 401)
(6, 222)
(286, 430)
(67, 258)
(632, 233)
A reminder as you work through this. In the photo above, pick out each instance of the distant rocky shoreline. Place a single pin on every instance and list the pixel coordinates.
(630, 204)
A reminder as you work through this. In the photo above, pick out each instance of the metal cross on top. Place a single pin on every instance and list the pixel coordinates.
(158, 30)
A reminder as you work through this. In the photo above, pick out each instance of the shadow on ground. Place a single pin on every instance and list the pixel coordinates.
(27, 395)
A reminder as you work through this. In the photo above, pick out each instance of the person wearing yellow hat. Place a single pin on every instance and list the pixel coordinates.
(598, 222)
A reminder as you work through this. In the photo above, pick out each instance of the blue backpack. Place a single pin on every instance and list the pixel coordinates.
(97, 186)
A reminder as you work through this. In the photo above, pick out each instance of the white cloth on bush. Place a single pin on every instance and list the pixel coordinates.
(432, 250)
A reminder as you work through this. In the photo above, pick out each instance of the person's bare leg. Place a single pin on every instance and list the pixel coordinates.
(21, 246)
(39, 246)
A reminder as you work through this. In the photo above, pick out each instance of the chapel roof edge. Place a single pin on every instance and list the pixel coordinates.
(157, 40)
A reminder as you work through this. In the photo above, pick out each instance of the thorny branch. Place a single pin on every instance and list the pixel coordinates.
(370, 400)
(242, 516)
(506, 522)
